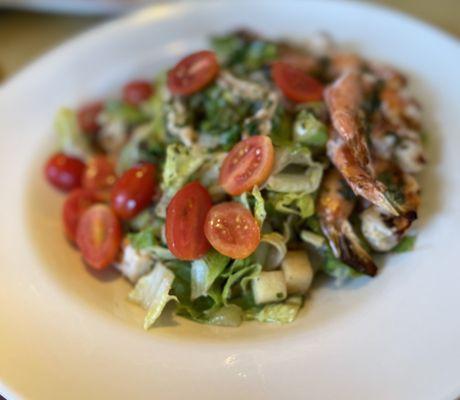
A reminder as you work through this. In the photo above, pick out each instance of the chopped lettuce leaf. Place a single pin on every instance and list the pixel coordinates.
(335, 268)
(281, 134)
(309, 130)
(271, 250)
(241, 54)
(205, 271)
(299, 203)
(242, 271)
(281, 313)
(143, 220)
(259, 206)
(312, 238)
(307, 182)
(285, 182)
(146, 241)
(230, 315)
(141, 240)
(181, 163)
(407, 243)
(134, 263)
(70, 139)
(152, 292)
(119, 110)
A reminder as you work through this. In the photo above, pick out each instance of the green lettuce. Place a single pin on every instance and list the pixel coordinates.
(297, 203)
(152, 292)
(406, 244)
(205, 271)
(242, 54)
(309, 130)
(271, 250)
(181, 163)
(312, 238)
(146, 240)
(242, 272)
(337, 269)
(121, 111)
(307, 181)
(70, 139)
(281, 313)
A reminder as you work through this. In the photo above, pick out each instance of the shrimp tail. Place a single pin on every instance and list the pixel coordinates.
(346, 246)
(358, 177)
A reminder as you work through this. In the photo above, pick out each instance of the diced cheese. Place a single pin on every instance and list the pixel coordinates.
(269, 286)
(297, 271)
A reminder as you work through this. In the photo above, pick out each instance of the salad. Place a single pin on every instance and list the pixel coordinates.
(226, 184)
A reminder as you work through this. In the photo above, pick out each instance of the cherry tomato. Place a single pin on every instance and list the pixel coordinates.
(193, 73)
(295, 84)
(64, 172)
(99, 236)
(136, 92)
(76, 203)
(232, 230)
(134, 191)
(99, 177)
(87, 117)
(185, 218)
(249, 163)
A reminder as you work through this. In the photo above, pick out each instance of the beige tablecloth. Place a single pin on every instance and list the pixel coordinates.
(25, 36)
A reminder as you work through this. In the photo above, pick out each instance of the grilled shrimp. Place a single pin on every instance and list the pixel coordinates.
(402, 145)
(383, 231)
(361, 181)
(335, 205)
(343, 99)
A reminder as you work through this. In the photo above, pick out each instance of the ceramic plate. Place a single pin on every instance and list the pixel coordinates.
(67, 333)
(99, 7)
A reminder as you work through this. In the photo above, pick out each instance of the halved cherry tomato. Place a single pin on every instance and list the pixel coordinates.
(295, 84)
(193, 73)
(99, 177)
(64, 172)
(87, 117)
(136, 92)
(99, 236)
(232, 230)
(185, 218)
(134, 190)
(249, 163)
(76, 203)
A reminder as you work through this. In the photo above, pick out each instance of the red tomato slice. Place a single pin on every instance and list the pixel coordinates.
(87, 117)
(136, 92)
(99, 177)
(134, 190)
(193, 73)
(249, 163)
(99, 236)
(232, 230)
(76, 203)
(295, 84)
(185, 218)
(64, 172)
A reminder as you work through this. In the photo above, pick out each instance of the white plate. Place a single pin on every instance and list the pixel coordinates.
(100, 7)
(65, 333)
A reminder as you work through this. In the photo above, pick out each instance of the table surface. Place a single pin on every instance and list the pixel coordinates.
(26, 35)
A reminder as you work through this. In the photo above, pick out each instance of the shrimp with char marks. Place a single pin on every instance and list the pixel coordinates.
(344, 98)
(361, 181)
(383, 231)
(335, 204)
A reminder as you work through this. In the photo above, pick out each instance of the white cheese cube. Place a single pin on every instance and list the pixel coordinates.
(269, 286)
(297, 271)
